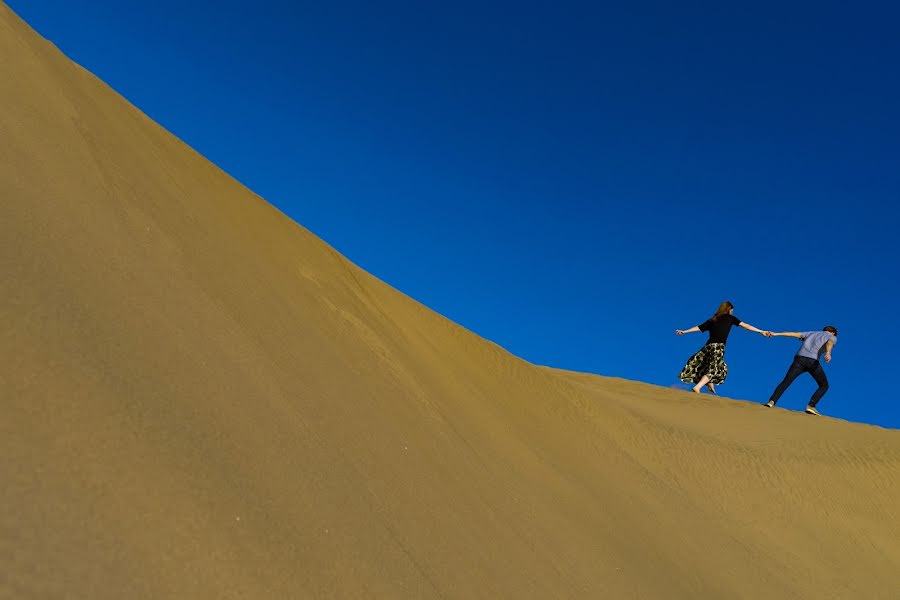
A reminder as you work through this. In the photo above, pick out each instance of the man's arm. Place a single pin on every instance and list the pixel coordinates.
(793, 334)
(828, 346)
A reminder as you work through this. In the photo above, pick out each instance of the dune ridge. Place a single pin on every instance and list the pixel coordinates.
(204, 400)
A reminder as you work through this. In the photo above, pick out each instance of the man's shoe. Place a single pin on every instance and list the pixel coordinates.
(811, 410)
(770, 404)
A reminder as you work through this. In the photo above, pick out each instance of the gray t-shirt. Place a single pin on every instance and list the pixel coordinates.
(814, 343)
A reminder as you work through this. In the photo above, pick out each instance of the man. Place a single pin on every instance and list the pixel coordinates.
(815, 343)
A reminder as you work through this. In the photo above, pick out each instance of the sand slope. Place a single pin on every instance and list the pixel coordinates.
(203, 400)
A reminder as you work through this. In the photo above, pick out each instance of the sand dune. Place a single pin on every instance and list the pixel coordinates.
(201, 399)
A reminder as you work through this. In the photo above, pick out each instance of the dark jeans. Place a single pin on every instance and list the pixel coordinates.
(802, 365)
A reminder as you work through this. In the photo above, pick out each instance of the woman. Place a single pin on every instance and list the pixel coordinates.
(707, 367)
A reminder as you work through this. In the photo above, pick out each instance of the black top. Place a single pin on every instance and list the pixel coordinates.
(719, 329)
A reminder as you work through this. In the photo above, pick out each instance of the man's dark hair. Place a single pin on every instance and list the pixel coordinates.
(830, 329)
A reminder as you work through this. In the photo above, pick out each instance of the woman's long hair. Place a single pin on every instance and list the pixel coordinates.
(723, 309)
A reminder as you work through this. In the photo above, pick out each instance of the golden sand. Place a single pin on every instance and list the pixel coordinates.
(201, 399)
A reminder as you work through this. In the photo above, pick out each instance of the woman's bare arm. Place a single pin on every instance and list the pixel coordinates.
(684, 331)
(750, 327)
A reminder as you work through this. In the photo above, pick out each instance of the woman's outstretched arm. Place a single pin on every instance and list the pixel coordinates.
(684, 331)
(750, 327)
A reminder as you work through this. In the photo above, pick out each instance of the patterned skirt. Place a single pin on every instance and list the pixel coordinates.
(709, 360)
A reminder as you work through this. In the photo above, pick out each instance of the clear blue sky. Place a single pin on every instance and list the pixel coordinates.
(573, 181)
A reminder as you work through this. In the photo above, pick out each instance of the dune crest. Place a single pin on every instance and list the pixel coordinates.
(204, 400)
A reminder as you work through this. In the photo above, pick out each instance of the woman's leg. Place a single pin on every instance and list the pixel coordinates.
(703, 381)
(715, 368)
(695, 365)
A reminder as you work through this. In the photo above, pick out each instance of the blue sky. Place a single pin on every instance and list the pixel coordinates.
(573, 181)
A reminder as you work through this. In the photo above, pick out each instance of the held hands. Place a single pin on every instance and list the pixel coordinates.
(679, 332)
(767, 334)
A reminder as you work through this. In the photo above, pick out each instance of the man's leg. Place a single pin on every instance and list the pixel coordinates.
(818, 374)
(792, 374)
